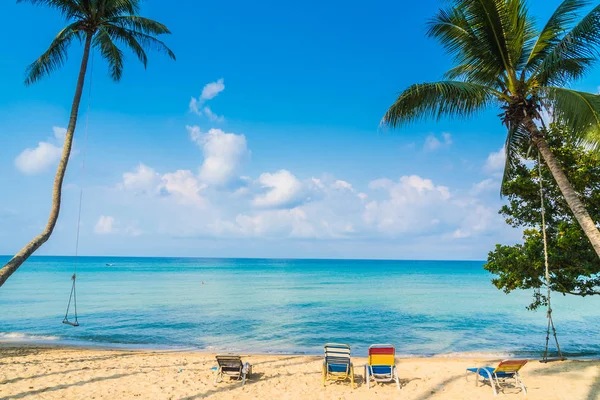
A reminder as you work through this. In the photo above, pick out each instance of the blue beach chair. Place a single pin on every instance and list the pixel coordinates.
(337, 365)
(506, 371)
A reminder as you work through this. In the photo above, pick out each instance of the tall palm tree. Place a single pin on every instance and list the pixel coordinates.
(502, 60)
(101, 24)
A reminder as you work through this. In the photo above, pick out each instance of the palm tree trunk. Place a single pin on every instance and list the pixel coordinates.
(583, 217)
(43, 237)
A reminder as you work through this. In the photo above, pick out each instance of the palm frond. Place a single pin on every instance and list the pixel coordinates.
(110, 52)
(55, 56)
(581, 43)
(474, 59)
(554, 29)
(516, 140)
(139, 24)
(579, 111)
(145, 41)
(520, 32)
(437, 100)
(124, 36)
(487, 19)
(114, 8)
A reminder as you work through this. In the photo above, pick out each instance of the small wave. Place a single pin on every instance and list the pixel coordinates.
(25, 337)
(480, 354)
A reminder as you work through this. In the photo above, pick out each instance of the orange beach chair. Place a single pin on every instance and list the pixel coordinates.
(499, 377)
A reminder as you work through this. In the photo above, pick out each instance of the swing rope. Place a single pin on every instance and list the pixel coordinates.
(547, 276)
(73, 295)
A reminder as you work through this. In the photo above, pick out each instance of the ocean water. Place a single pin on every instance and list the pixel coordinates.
(424, 308)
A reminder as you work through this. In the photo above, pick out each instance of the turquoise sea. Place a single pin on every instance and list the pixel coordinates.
(424, 308)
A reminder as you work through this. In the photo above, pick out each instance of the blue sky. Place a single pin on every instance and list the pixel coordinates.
(288, 162)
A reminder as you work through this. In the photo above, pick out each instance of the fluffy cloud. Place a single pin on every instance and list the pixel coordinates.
(282, 190)
(212, 116)
(219, 202)
(432, 142)
(484, 186)
(183, 185)
(224, 154)
(210, 91)
(495, 162)
(45, 155)
(410, 205)
(142, 179)
(342, 185)
(105, 225)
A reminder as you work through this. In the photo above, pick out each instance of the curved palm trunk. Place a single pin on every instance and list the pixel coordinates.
(585, 221)
(43, 237)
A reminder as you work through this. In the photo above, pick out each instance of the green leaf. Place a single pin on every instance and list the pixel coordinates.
(580, 111)
(110, 52)
(437, 100)
(55, 56)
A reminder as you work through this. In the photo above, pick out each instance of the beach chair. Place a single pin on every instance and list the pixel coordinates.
(337, 365)
(506, 372)
(231, 365)
(382, 365)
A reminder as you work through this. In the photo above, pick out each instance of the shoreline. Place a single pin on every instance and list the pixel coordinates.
(71, 344)
(55, 371)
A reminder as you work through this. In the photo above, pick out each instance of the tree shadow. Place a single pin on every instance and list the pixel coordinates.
(254, 378)
(23, 378)
(8, 352)
(594, 393)
(66, 385)
(66, 360)
(439, 387)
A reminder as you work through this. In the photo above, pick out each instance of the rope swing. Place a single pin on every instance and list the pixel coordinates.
(73, 295)
(545, 357)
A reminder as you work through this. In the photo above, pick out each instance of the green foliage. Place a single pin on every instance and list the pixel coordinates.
(106, 23)
(574, 265)
(501, 58)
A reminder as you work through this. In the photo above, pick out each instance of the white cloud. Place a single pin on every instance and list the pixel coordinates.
(45, 155)
(211, 90)
(282, 190)
(184, 186)
(105, 225)
(133, 230)
(195, 105)
(280, 205)
(432, 142)
(409, 203)
(224, 154)
(212, 116)
(485, 185)
(459, 234)
(342, 185)
(495, 162)
(142, 179)
(447, 138)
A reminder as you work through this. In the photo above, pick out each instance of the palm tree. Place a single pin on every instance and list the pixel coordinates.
(502, 60)
(101, 24)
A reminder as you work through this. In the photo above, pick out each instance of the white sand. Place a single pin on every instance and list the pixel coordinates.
(30, 372)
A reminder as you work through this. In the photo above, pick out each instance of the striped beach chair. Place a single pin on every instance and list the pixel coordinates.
(337, 365)
(506, 372)
(382, 365)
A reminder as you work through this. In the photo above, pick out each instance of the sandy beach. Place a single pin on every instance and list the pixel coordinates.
(55, 372)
